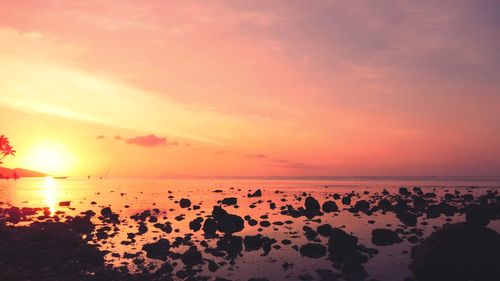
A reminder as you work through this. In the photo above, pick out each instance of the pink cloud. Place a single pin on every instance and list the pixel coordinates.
(148, 141)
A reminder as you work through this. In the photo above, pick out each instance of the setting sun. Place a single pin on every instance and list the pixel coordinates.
(50, 157)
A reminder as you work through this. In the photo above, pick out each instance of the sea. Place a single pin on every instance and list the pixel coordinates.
(129, 196)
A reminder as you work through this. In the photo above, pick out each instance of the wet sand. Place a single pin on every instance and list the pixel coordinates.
(144, 230)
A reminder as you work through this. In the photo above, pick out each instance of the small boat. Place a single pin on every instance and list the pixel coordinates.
(60, 178)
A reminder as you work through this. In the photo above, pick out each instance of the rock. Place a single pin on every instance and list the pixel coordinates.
(324, 230)
(305, 277)
(458, 252)
(227, 223)
(230, 201)
(257, 193)
(191, 257)
(384, 204)
(361, 205)
(407, 218)
(404, 191)
(210, 227)
(309, 232)
(195, 224)
(346, 200)
(328, 275)
(142, 229)
(64, 203)
(413, 239)
(253, 243)
(106, 212)
(185, 203)
(340, 242)
(313, 250)
(330, 206)
(232, 245)
(109, 216)
(158, 250)
(385, 237)
(212, 266)
(265, 224)
(432, 211)
(477, 215)
(312, 205)
(252, 222)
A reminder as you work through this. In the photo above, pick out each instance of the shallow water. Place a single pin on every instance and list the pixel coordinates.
(131, 196)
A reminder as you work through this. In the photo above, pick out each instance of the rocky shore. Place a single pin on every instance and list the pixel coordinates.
(38, 245)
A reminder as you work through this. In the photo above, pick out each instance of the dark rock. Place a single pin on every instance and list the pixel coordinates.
(458, 252)
(212, 266)
(64, 203)
(361, 205)
(346, 200)
(312, 205)
(257, 193)
(192, 257)
(253, 243)
(384, 204)
(313, 250)
(230, 201)
(210, 227)
(227, 223)
(404, 191)
(195, 224)
(185, 203)
(309, 232)
(407, 218)
(158, 250)
(330, 206)
(232, 245)
(305, 277)
(324, 230)
(384, 237)
(142, 229)
(340, 241)
(265, 224)
(106, 212)
(413, 239)
(432, 211)
(477, 215)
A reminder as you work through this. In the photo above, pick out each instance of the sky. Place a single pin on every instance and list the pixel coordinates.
(251, 88)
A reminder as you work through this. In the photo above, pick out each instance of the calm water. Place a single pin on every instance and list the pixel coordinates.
(130, 196)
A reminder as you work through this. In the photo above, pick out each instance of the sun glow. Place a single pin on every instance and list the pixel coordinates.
(50, 157)
(50, 194)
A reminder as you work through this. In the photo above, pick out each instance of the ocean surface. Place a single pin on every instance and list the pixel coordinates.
(129, 196)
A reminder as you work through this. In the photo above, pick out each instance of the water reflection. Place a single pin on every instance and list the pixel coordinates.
(50, 188)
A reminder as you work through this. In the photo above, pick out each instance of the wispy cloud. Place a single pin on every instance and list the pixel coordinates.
(283, 162)
(144, 141)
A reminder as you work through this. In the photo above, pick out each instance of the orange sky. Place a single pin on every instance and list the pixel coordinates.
(236, 88)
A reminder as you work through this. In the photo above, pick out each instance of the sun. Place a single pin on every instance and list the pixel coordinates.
(50, 157)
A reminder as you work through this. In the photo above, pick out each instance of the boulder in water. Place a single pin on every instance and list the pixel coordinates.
(313, 250)
(458, 252)
(385, 237)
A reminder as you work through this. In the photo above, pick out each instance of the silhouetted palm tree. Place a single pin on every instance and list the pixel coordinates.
(5, 148)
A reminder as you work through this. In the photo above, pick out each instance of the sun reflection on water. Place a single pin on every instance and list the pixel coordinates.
(50, 194)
